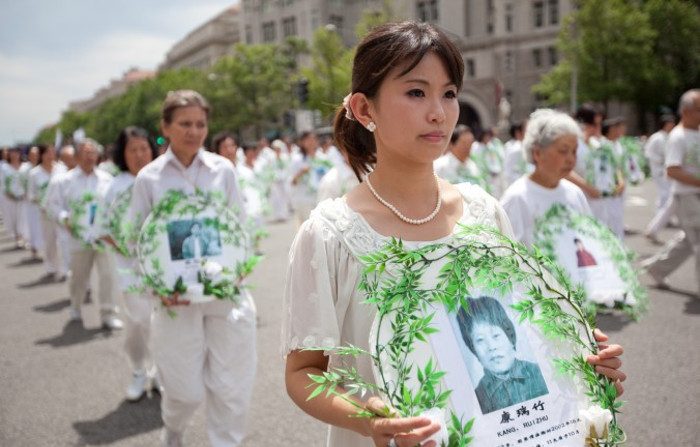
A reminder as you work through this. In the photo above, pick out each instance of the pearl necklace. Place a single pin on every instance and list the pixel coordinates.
(398, 214)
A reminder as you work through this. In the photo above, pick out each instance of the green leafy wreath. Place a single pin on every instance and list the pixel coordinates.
(632, 150)
(10, 185)
(479, 257)
(78, 209)
(607, 156)
(227, 281)
(559, 217)
(120, 229)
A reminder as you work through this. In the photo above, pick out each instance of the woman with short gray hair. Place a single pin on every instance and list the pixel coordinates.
(550, 144)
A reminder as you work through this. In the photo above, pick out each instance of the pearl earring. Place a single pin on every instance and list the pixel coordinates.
(371, 126)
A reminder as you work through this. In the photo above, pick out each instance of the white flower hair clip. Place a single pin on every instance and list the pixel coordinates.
(346, 105)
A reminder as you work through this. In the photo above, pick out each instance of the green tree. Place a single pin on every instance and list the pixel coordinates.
(676, 52)
(330, 72)
(375, 17)
(610, 44)
(250, 88)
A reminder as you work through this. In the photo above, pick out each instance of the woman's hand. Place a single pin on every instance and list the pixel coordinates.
(607, 361)
(108, 240)
(406, 432)
(299, 174)
(173, 300)
(592, 192)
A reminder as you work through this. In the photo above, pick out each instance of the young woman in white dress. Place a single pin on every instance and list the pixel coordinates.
(550, 143)
(133, 150)
(39, 178)
(399, 119)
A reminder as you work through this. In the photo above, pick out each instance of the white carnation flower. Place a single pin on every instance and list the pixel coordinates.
(212, 269)
(595, 421)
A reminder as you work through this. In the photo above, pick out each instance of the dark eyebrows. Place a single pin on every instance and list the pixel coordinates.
(424, 82)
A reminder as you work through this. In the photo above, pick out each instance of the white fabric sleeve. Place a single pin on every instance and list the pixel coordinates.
(321, 278)
(56, 205)
(675, 152)
(514, 220)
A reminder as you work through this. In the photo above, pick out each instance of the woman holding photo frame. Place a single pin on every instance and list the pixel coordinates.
(396, 122)
(207, 351)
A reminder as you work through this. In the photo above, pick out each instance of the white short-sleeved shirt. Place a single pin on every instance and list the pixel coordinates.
(525, 201)
(324, 306)
(655, 151)
(683, 149)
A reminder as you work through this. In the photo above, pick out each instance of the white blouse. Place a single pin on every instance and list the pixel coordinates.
(324, 306)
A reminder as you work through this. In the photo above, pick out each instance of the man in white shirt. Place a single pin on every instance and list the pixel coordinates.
(514, 164)
(655, 151)
(456, 166)
(64, 201)
(683, 168)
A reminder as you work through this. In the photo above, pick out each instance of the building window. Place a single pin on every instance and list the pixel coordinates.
(553, 7)
(428, 11)
(538, 14)
(490, 17)
(471, 68)
(537, 57)
(509, 61)
(268, 32)
(336, 21)
(289, 26)
(553, 56)
(509, 17)
(248, 34)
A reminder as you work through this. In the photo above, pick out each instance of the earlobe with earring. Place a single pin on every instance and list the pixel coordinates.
(371, 126)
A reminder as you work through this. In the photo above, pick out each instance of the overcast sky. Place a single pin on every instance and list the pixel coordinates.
(53, 52)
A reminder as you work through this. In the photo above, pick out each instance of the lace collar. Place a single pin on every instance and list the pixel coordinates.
(355, 233)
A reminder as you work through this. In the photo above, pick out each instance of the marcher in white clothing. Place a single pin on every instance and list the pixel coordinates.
(79, 193)
(456, 166)
(251, 187)
(31, 208)
(207, 352)
(550, 144)
(65, 163)
(683, 168)
(337, 182)
(279, 190)
(655, 151)
(39, 179)
(330, 151)
(133, 150)
(515, 164)
(306, 170)
(14, 188)
(611, 210)
(398, 121)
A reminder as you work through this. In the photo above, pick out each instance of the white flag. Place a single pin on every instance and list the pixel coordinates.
(58, 140)
(78, 135)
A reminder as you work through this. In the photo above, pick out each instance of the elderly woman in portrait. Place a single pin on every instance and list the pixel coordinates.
(550, 143)
(490, 336)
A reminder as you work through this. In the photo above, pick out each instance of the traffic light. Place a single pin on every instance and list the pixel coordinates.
(303, 91)
(160, 140)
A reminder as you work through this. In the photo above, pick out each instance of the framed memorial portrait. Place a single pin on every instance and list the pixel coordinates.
(194, 245)
(488, 336)
(83, 220)
(601, 169)
(593, 257)
(633, 160)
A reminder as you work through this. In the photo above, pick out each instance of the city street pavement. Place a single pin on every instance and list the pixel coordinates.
(63, 385)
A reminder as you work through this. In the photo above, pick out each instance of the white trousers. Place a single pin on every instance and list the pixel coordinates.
(137, 318)
(36, 237)
(610, 212)
(82, 261)
(206, 353)
(65, 244)
(684, 244)
(53, 262)
(279, 201)
(14, 218)
(664, 206)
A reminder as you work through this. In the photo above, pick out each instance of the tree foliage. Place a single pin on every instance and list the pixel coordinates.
(645, 54)
(330, 72)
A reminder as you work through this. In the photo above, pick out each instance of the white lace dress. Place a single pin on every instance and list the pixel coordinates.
(323, 304)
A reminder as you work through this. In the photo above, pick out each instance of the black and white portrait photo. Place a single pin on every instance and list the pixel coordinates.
(503, 377)
(193, 239)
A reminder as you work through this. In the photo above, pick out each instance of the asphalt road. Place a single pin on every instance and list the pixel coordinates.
(63, 385)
